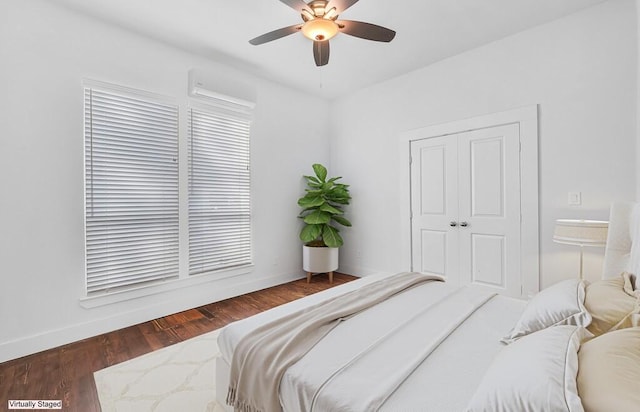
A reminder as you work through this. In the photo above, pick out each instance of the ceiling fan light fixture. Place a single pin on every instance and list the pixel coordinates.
(331, 14)
(320, 24)
(307, 15)
(319, 29)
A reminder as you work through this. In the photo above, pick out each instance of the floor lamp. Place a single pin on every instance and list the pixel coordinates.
(581, 233)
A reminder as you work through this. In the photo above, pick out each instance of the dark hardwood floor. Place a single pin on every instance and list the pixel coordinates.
(66, 373)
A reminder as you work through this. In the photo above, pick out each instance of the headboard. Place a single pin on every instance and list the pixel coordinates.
(620, 254)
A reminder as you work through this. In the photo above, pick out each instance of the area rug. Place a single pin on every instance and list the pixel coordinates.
(180, 377)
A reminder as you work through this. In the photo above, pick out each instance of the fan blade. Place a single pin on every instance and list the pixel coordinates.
(274, 35)
(321, 52)
(341, 5)
(297, 5)
(366, 30)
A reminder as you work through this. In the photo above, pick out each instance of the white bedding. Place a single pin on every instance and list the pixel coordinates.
(231, 334)
(446, 380)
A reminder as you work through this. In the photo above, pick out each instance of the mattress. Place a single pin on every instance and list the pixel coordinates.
(445, 380)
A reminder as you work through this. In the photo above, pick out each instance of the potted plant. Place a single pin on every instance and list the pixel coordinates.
(321, 209)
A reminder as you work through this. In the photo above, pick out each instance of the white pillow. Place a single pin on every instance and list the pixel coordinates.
(536, 373)
(611, 304)
(609, 373)
(559, 304)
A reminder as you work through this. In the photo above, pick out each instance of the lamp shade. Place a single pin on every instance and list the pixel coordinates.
(581, 232)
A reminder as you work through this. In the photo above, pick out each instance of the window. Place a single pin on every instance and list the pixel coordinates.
(131, 190)
(219, 190)
(133, 207)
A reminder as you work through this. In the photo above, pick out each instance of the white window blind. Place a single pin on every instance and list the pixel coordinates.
(131, 189)
(219, 191)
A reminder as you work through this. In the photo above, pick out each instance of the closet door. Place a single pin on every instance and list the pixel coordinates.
(489, 208)
(465, 207)
(434, 206)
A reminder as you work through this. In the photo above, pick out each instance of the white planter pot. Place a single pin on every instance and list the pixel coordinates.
(319, 260)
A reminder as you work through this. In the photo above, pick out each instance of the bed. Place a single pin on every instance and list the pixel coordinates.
(436, 347)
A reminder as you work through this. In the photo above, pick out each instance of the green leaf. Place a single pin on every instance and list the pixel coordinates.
(305, 212)
(317, 217)
(331, 236)
(310, 201)
(330, 209)
(339, 191)
(339, 200)
(312, 179)
(310, 232)
(338, 195)
(342, 221)
(320, 171)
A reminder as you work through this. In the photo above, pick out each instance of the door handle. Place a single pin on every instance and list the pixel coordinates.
(453, 224)
(464, 224)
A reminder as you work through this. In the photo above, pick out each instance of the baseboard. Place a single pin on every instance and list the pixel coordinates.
(50, 339)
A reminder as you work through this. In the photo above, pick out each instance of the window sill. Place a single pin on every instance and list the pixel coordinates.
(105, 299)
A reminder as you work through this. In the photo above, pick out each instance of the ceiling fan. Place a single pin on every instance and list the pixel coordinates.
(320, 23)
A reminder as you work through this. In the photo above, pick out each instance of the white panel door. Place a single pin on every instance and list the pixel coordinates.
(489, 208)
(465, 207)
(434, 204)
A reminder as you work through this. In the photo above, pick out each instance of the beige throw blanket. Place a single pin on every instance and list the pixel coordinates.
(261, 358)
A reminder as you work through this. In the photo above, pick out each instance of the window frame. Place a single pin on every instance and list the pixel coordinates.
(132, 182)
(183, 278)
(237, 112)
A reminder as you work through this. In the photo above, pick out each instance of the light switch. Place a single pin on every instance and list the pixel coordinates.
(575, 198)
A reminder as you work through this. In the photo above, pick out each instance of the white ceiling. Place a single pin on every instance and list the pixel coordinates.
(427, 31)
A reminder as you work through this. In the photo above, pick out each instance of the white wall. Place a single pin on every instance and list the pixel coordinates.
(581, 70)
(45, 52)
(638, 104)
